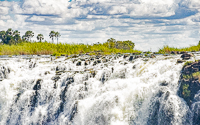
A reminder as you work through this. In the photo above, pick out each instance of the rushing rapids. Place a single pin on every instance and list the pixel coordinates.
(111, 90)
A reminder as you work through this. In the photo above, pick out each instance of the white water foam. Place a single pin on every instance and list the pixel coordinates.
(140, 92)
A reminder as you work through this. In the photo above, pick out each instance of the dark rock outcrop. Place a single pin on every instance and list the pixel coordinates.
(186, 56)
(78, 63)
(190, 82)
(190, 88)
(179, 61)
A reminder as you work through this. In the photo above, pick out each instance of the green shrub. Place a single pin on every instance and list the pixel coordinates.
(186, 91)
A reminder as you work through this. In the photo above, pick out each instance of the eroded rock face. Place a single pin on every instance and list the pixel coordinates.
(190, 88)
(190, 82)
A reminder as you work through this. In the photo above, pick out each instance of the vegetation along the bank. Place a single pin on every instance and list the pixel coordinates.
(174, 50)
(13, 44)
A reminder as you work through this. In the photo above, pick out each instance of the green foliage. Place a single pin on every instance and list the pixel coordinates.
(52, 35)
(10, 36)
(186, 91)
(188, 63)
(125, 45)
(29, 35)
(167, 49)
(40, 37)
(57, 35)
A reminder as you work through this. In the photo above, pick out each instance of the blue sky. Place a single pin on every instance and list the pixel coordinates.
(150, 24)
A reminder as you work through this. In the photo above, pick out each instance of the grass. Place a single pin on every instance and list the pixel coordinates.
(167, 49)
(187, 63)
(45, 48)
(186, 91)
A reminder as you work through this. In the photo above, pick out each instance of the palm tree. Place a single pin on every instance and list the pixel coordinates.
(25, 37)
(52, 35)
(57, 35)
(2, 36)
(40, 37)
(16, 35)
(29, 34)
(9, 32)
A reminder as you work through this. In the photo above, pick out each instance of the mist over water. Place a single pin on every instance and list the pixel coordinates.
(117, 91)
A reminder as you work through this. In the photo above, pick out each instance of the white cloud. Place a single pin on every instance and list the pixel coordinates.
(148, 23)
(37, 18)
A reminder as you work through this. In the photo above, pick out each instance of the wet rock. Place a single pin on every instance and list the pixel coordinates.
(196, 117)
(59, 73)
(87, 62)
(78, 63)
(186, 56)
(98, 61)
(138, 56)
(164, 84)
(126, 55)
(93, 73)
(105, 60)
(74, 60)
(183, 52)
(112, 69)
(173, 52)
(32, 65)
(73, 111)
(152, 56)
(131, 58)
(179, 61)
(125, 63)
(4, 71)
(190, 82)
(37, 86)
(61, 68)
(55, 78)
(74, 56)
(47, 72)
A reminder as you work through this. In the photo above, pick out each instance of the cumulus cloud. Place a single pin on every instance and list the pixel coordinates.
(149, 23)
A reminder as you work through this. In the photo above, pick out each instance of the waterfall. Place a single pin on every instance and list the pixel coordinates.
(110, 90)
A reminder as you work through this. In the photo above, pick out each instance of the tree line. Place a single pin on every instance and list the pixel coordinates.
(125, 45)
(13, 37)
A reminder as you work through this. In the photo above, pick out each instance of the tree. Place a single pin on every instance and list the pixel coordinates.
(111, 43)
(24, 37)
(3, 36)
(40, 37)
(52, 35)
(9, 32)
(29, 34)
(16, 35)
(10, 36)
(57, 35)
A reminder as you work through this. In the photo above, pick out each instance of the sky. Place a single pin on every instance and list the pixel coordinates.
(150, 24)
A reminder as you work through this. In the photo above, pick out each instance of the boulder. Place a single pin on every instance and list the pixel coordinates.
(183, 52)
(125, 56)
(173, 52)
(179, 61)
(37, 86)
(153, 56)
(131, 58)
(186, 56)
(47, 72)
(78, 63)
(87, 62)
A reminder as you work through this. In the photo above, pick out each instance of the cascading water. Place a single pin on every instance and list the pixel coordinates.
(87, 91)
